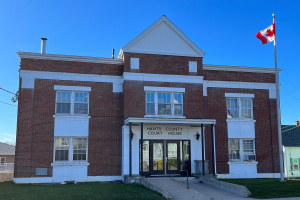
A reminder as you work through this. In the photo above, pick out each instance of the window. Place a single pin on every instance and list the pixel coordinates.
(239, 108)
(164, 103)
(70, 149)
(2, 161)
(70, 102)
(241, 150)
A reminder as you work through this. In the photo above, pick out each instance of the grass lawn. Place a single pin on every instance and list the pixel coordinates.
(9, 190)
(269, 188)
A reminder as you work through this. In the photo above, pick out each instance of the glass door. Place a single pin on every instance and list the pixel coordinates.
(157, 157)
(173, 157)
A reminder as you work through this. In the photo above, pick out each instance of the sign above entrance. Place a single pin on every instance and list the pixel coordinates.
(164, 130)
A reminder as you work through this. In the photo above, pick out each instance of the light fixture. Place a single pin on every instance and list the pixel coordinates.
(131, 135)
(197, 136)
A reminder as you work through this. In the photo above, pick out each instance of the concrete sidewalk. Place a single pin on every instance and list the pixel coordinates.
(177, 189)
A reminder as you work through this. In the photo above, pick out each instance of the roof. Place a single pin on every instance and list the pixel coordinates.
(6, 149)
(163, 38)
(290, 135)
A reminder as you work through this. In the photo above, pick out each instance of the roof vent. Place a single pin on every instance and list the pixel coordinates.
(297, 122)
(43, 45)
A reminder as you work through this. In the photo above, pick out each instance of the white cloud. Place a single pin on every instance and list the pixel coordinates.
(7, 138)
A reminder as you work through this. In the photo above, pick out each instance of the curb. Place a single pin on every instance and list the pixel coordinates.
(229, 187)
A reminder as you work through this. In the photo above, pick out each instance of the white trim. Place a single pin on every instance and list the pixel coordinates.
(162, 78)
(170, 121)
(73, 163)
(242, 162)
(255, 175)
(72, 88)
(239, 95)
(166, 116)
(134, 63)
(163, 89)
(240, 120)
(243, 85)
(70, 58)
(240, 69)
(66, 116)
(172, 26)
(50, 179)
(192, 66)
(29, 76)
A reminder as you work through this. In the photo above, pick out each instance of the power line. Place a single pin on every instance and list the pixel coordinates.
(7, 103)
(7, 91)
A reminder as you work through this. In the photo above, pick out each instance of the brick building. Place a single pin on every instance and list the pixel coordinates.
(85, 118)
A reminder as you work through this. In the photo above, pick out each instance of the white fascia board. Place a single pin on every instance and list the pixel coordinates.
(171, 25)
(163, 89)
(28, 78)
(240, 69)
(72, 88)
(164, 53)
(239, 95)
(70, 58)
(170, 121)
(162, 78)
(240, 85)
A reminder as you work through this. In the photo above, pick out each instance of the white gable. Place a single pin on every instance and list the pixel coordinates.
(163, 37)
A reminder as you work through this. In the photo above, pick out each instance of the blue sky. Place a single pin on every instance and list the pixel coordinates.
(224, 30)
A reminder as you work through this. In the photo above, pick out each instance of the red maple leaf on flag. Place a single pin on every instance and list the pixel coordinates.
(269, 33)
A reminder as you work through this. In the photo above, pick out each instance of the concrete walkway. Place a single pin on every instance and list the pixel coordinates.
(176, 187)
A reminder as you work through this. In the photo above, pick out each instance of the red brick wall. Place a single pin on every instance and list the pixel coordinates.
(162, 64)
(214, 75)
(266, 140)
(134, 98)
(35, 133)
(71, 67)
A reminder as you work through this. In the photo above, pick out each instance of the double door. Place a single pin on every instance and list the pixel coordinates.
(164, 157)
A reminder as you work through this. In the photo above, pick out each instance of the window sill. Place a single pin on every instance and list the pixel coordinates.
(166, 116)
(240, 120)
(72, 116)
(70, 164)
(242, 162)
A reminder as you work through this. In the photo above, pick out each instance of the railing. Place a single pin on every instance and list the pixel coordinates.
(6, 167)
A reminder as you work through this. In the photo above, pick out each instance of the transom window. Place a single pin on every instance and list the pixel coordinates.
(241, 150)
(71, 102)
(164, 103)
(239, 108)
(70, 149)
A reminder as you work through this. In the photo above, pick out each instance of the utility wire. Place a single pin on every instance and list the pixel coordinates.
(7, 103)
(7, 91)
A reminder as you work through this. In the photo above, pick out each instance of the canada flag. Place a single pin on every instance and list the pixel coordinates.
(267, 35)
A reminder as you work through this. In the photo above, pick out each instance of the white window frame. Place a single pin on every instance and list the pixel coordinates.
(2, 163)
(72, 102)
(239, 107)
(70, 155)
(156, 104)
(241, 149)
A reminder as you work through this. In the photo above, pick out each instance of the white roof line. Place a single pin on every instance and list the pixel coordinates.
(69, 58)
(239, 69)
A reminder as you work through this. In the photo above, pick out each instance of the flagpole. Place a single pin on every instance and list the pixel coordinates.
(278, 108)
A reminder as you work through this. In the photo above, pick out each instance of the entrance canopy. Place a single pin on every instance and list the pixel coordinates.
(191, 122)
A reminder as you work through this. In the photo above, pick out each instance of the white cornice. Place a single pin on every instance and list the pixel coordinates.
(162, 78)
(194, 122)
(240, 69)
(70, 58)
